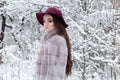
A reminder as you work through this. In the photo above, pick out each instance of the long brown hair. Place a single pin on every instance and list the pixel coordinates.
(62, 31)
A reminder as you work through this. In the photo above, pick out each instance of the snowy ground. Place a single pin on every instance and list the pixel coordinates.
(21, 70)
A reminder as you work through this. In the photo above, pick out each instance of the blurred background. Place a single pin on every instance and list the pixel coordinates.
(94, 31)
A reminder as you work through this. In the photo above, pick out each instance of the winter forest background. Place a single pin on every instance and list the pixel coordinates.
(94, 31)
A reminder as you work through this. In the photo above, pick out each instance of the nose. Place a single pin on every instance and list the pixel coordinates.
(45, 23)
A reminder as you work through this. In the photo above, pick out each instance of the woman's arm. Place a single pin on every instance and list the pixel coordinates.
(57, 60)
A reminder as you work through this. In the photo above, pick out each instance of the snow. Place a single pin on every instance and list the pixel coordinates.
(15, 68)
(94, 35)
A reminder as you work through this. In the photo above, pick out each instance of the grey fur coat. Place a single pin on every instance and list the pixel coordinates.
(52, 59)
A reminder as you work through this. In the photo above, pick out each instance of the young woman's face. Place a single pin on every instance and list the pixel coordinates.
(48, 22)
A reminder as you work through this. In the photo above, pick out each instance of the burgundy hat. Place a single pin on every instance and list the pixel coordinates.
(53, 11)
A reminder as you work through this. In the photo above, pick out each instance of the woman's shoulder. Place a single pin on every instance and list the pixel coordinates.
(58, 39)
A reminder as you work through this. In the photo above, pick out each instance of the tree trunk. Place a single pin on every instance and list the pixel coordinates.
(2, 34)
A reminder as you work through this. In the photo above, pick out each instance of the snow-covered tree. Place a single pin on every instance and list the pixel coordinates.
(94, 31)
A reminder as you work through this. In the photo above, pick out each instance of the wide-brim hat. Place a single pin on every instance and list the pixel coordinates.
(53, 11)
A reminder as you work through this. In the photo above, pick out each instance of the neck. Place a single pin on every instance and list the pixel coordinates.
(50, 34)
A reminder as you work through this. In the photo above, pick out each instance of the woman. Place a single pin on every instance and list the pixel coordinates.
(54, 60)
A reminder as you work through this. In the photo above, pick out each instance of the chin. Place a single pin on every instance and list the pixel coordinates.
(47, 30)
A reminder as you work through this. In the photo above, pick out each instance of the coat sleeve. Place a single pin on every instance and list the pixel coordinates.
(57, 60)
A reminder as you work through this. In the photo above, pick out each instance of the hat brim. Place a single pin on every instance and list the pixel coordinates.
(40, 18)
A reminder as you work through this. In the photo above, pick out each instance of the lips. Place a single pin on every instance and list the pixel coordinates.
(46, 27)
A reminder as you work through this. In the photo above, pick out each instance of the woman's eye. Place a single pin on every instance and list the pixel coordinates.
(50, 20)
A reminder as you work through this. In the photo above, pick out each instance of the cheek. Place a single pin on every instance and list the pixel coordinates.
(51, 26)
